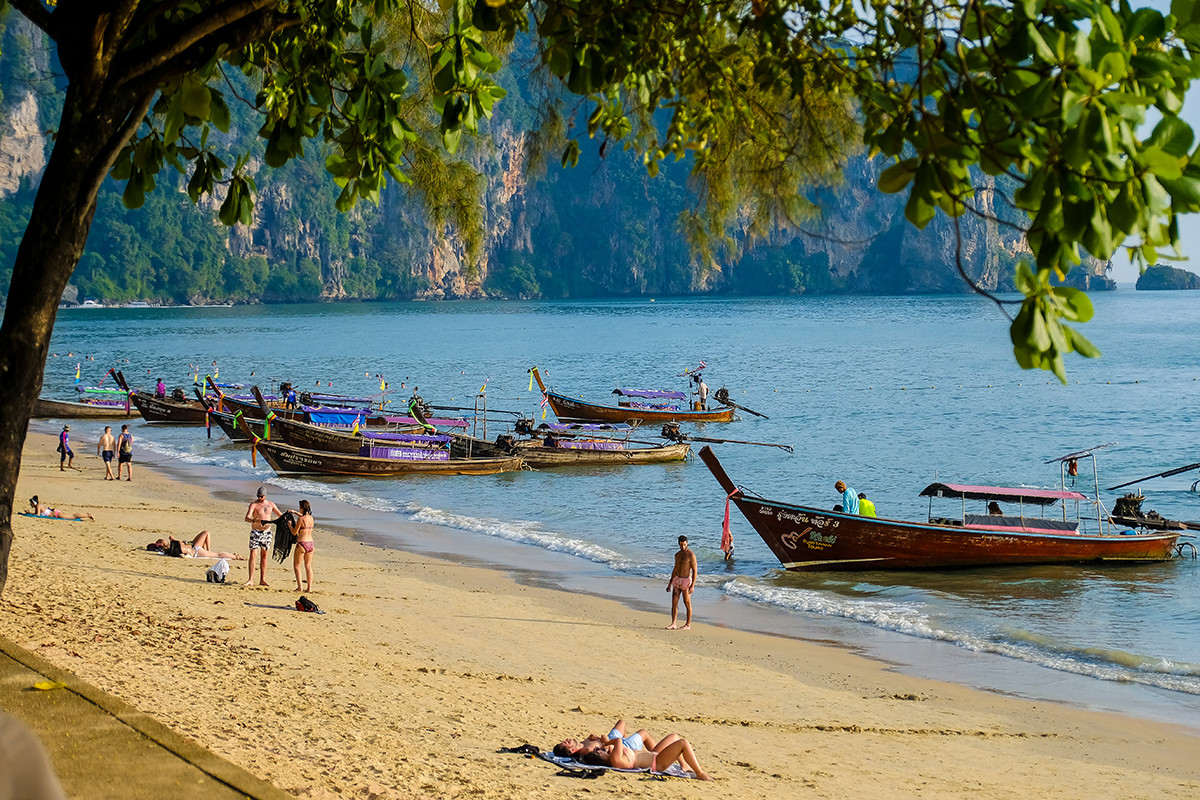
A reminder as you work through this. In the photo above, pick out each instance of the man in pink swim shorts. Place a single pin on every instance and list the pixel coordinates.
(683, 581)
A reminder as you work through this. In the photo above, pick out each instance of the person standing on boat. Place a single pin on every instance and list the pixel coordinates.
(682, 583)
(849, 497)
(66, 456)
(259, 514)
(125, 453)
(865, 506)
(106, 448)
(702, 388)
(291, 399)
(160, 390)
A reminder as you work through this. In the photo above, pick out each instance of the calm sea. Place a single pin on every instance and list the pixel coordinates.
(887, 394)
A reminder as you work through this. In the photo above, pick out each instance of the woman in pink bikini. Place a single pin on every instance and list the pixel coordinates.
(304, 545)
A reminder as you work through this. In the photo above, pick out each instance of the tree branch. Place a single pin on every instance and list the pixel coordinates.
(35, 12)
(145, 60)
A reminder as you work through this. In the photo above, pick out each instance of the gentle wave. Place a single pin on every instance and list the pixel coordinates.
(908, 619)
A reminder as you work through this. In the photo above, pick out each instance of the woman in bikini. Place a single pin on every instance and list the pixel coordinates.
(670, 749)
(41, 510)
(303, 531)
(197, 549)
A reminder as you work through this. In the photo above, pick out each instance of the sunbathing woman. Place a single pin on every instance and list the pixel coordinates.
(614, 753)
(197, 549)
(41, 510)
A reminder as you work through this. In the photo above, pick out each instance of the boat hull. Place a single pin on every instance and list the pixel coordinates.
(228, 423)
(808, 539)
(569, 409)
(65, 409)
(329, 440)
(286, 459)
(539, 456)
(169, 412)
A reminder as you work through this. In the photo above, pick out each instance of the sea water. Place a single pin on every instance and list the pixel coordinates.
(886, 393)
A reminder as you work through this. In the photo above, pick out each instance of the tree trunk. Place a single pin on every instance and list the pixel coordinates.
(84, 151)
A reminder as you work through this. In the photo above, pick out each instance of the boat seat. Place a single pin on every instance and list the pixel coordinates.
(1039, 523)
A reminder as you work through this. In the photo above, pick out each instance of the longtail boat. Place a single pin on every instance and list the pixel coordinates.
(344, 440)
(174, 410)
(417, 456)
(807, 539)
(574, 444)
(640, 405)
(65, 409)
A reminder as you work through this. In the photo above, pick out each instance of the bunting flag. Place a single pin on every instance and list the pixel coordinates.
(77, 373)
(267, 426)
(382, 384)
(545, 405)
(354, 432)
(703, 365)
(483, 389)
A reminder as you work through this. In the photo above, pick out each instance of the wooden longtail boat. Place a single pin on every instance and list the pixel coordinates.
(337, 440)
(286, 459)
(167, 410)
(574, 445)
(65, 409)
(633, 405)
(806, 539)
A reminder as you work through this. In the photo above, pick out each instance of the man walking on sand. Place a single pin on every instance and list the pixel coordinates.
(66, 456)
(683, 581)
(260, 512)
(125, 453)
(106, 448)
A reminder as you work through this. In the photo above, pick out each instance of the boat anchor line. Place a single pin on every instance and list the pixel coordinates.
(671, 430)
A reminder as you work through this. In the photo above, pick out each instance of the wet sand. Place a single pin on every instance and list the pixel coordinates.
(423, 667)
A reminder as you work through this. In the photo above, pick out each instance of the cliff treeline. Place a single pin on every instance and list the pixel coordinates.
(600, 229)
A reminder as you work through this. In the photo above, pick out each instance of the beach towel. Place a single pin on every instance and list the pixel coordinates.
(675, 771)
(284, 538)
(35, 516)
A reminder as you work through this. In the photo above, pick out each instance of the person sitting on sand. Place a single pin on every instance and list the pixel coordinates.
(641, 739)
(40, 510)
(197, 549)
(614, 753)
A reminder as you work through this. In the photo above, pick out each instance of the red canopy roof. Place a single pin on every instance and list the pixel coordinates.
(1041, 497)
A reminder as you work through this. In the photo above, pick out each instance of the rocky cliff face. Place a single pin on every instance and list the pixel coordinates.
(604, 228)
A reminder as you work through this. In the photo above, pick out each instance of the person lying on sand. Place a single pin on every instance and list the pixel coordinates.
(197, 549)
(41, 510)
(641, 739)
(614, 753)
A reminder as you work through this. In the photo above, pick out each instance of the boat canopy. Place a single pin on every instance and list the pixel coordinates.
(584, 427)
(326, 416)
(651, 394)
(1040, 497)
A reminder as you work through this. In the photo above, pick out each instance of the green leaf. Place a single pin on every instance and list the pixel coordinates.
(195, 99)
(897, 177)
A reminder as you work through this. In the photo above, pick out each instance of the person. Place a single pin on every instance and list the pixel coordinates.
(702, 387)
(106, 448)
(849, 497)
(125, 453)
(25, 767)
(682, 582)
(865, 506)
(160, 389)
(994, 509)
(42, 510)
(303, 531)
(640, 739)
(199, 548)
(614, 753)
(258, 514)
(66, 456)
(291, 399)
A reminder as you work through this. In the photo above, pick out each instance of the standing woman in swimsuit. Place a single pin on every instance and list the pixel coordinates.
(304, 545)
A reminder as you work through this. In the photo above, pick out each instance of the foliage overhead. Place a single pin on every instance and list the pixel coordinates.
(1056, 95)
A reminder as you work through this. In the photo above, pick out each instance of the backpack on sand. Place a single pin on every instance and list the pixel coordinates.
(304, 604)
(218, 571)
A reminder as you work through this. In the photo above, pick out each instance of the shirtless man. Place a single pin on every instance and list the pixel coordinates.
(106, 448)
(682, 582)
(257, 514)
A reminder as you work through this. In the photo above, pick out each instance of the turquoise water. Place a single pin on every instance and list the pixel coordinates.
(888, 394)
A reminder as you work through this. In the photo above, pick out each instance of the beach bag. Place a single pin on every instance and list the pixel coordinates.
(218, 571)
(175, 549)
(126, 445)
(304, 604)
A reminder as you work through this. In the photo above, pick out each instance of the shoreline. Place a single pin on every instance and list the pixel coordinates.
(420, 655)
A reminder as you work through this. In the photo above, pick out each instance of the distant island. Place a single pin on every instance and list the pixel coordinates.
(1158, 277)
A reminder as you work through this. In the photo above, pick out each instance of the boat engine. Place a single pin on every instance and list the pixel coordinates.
(178, 396)
(722, 396)
(506, 443)
(306, 399)
(670, 430)
(524, 426)
(284, 388)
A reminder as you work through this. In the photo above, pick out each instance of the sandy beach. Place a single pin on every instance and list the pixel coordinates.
(422, 669)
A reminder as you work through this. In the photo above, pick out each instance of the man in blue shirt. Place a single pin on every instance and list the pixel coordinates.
(66, 458)
(849, 497)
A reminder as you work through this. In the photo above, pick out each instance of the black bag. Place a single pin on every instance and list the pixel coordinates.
(175, 549)
(304, 604)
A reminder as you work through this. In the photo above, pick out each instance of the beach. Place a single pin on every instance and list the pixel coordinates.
(422, 668)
